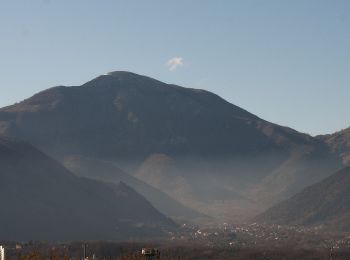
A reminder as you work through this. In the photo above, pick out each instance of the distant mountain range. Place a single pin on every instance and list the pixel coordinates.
(326, 203)
(109, 172)
(190, 144)
(41, 200)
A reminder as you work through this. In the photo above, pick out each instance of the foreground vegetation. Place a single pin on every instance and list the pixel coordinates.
(131, 251)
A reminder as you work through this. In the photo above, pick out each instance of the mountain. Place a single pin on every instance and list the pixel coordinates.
(109, 172)
(191, 144)
(123, 115)
(325, 203)
(339, 143)
(42, 200)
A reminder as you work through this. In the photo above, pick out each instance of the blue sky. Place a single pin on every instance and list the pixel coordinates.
(285, 61)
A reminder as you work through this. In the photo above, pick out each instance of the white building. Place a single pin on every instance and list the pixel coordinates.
(2, 253)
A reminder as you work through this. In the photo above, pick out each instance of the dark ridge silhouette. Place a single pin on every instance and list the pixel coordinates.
(41, 200)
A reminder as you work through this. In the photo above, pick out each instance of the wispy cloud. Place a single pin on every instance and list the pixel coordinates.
(174, 63)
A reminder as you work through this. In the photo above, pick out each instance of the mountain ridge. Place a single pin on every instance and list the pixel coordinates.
(108, 172)
(325, 203)
(339, 143)
(126, 118)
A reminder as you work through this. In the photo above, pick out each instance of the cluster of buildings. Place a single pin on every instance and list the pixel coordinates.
(150, 253)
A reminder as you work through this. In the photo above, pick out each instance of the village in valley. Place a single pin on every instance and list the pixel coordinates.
(223, 239)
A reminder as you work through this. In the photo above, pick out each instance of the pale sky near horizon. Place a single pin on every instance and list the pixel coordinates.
(286, 61)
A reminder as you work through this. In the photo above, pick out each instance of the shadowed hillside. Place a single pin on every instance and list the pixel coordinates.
(41, 200)
(324, 203)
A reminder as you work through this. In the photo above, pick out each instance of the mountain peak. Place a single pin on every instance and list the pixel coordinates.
(121, 73)
(114, 78)
(127, 75)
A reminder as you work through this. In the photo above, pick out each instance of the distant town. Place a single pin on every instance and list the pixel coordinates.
(226, 240)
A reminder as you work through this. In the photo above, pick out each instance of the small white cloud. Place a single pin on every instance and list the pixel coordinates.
(174, 62)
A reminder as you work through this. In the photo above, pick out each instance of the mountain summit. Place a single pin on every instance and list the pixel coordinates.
(124, 114)
(211, 144)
